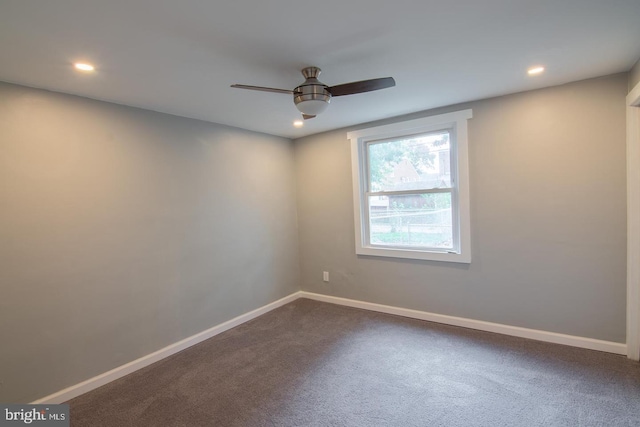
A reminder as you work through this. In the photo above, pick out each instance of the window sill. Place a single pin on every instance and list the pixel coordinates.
(464, 258)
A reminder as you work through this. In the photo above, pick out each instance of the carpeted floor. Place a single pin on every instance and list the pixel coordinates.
(315, 364)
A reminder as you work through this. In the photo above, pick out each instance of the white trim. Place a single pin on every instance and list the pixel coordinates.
(410, 126)
(633, 223)
(552, 337)
(457, 122)
(119, 372)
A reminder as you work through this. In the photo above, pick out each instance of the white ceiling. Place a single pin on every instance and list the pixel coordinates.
(181, 56)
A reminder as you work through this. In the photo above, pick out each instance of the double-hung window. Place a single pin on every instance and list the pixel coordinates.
(411, 189)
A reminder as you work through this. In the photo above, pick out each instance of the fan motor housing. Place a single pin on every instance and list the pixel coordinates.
(311, 90)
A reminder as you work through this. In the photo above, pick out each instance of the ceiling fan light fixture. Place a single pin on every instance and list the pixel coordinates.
(312, 107)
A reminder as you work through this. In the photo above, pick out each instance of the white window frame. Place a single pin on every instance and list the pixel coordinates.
(456, 124)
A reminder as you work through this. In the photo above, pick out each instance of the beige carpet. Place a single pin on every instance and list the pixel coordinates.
(315, 364)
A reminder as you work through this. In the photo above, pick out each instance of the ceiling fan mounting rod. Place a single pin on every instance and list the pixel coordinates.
(311, 72)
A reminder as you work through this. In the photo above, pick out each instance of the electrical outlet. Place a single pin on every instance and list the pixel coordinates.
(325, 276)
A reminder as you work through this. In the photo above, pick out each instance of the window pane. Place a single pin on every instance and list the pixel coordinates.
(415, 220)
(417, 162)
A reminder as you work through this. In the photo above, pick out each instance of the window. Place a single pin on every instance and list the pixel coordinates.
(411, 189)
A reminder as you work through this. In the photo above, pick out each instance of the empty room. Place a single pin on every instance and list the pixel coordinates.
(345, 213)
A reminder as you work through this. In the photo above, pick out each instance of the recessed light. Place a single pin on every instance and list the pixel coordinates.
(83, 67)
(535, 70)
(298, 123)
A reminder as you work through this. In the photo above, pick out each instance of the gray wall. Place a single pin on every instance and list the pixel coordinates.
(548, 216)
(634, 75)
(123, 231)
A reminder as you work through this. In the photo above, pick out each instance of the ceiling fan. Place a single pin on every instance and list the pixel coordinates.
(312, 97)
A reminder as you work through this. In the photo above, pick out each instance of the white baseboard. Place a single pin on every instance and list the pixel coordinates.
(119, 372)
(552, 337)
